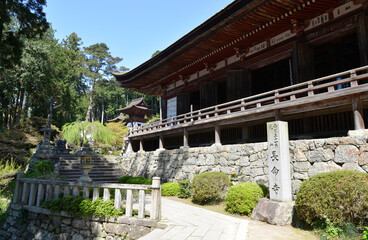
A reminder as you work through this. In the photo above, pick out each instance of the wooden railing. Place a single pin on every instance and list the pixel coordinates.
(32, 192)
(288, 96)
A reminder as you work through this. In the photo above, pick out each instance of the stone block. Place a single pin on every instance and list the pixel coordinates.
(77, 236)
(346, 153)
(301, 166)
(116, 228)
(319, 155)
(78, 223)
(321, 167)
(273, 212)
(352, 166)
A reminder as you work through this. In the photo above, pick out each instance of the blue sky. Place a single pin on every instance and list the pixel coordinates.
(134, 29)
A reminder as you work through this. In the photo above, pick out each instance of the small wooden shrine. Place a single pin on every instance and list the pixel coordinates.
(120, 118)
(137, 109)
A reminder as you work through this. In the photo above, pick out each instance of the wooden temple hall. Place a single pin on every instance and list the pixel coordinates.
(300, 61)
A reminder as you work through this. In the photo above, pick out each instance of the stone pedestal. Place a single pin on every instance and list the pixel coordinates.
(273, 212)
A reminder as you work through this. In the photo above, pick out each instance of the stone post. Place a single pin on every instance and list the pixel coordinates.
(156, 199)
(279, 208)
(279, 161)
(18, 188)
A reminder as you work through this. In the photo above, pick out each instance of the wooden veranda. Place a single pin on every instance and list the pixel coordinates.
(344, 93)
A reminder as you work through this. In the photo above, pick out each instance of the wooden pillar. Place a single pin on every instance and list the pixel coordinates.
(245, 133)
(185, 138)
(362, 35)
(141, 145)
(238, 84)
(217, 134)
(129, 148)
(208, 94)
(161, 142)
(358, 113)
(277, 115)
(302, 62)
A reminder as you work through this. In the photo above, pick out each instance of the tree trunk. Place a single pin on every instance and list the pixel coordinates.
(90, 114)
(103, 112)
(20, 107)
(26, 106)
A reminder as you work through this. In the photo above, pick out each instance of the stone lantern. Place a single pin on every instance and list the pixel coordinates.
(85, 155)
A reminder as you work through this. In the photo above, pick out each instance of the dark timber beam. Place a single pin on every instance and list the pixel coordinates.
(358, 113)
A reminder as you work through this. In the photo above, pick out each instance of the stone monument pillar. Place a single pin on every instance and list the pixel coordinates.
(279, 161)
(279, 208)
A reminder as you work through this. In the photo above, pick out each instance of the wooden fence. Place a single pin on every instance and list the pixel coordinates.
(340, 85)
(32, 192)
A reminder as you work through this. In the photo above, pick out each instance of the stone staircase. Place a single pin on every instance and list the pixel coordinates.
(105, 169)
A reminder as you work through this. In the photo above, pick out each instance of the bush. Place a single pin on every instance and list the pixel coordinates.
(185, 188)
(40, 169)
(78, 206)
(124, 179)
(170, 189)
(340, 196)
(242, 198)
(210, 187)
(135, 180)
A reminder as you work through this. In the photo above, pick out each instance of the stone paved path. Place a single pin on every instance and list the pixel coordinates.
(186, 222)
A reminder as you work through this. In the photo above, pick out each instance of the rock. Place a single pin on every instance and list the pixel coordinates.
(319, 155)
(77, 236)
(116, 228)
(302, 166)
(321, 167)
(352, 166)
(273, 212)
(295, 185)
(300, 176)
(346, 153)
(78, 223)
(66, 221)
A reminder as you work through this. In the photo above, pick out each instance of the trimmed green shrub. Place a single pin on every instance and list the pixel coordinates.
(210, 187)
(185, 188)
(340, 196)
(124, 179)
(242, 198)
(135, 180)
(170, 189)
(78, 206)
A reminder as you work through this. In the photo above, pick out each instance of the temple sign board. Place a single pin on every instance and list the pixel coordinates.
(171, 107)
(279, 161)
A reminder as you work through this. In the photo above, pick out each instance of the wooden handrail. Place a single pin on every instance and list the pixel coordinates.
(32, 192)
(293, 92)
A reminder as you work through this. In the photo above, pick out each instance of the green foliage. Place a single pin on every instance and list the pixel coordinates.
(135, 180)
(8, 169)
(365, 234)
(185, 188)
(210, 187)
(76, 133)
(341, 196)
(170, 189)
(83, 207)
(119, 129)
(40, 169)
(327, 230)
(242, 198)
(4, 213)
(124, 179)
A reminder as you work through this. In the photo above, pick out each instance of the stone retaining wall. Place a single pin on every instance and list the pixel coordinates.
(38, 223)
(308, 157)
